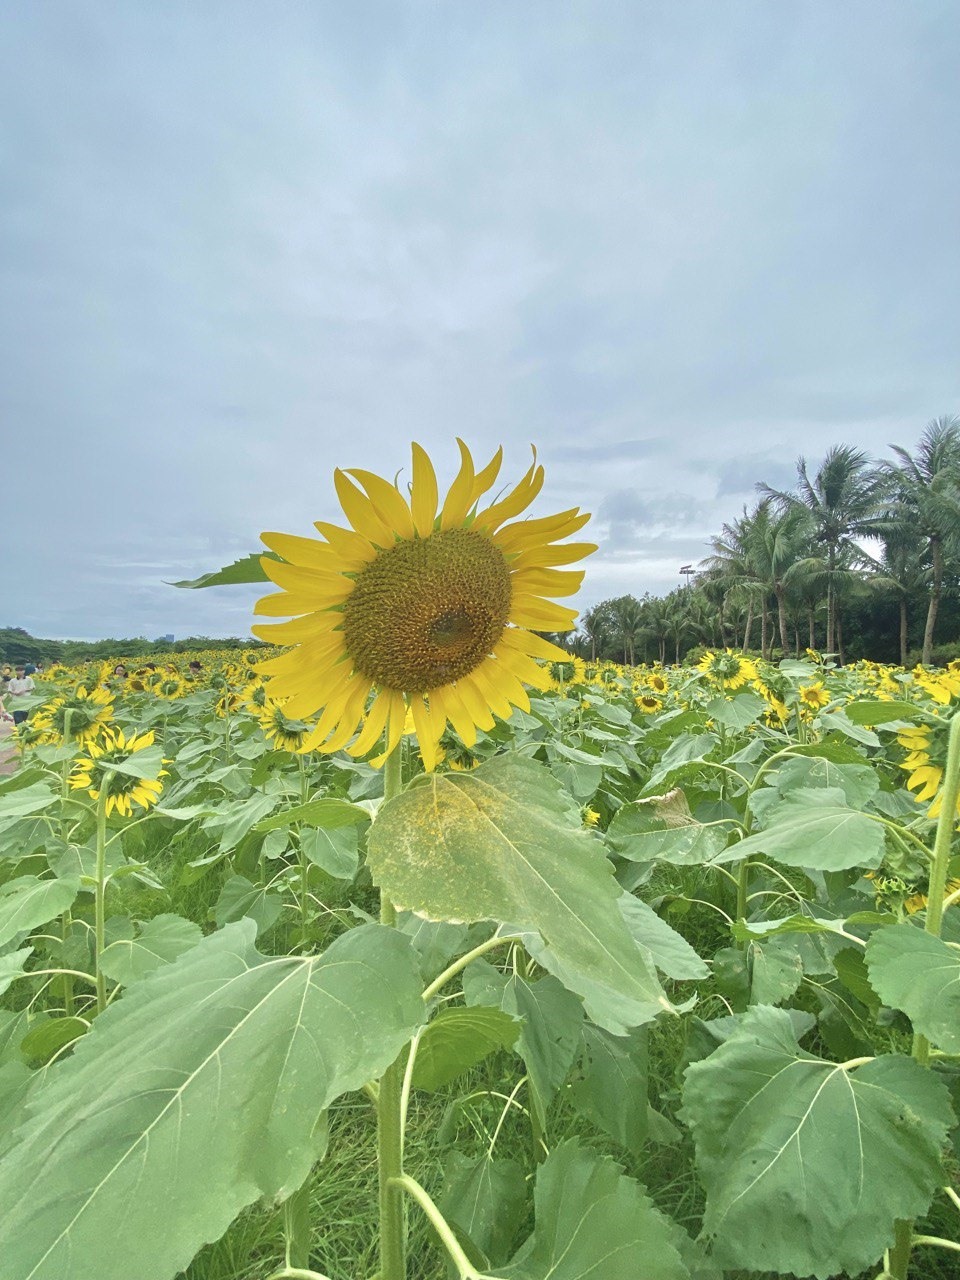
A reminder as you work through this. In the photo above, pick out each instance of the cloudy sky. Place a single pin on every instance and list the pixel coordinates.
(673, 243)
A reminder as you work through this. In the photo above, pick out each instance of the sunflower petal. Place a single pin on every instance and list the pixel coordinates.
(424, 494)
(457, 502)
(387, 502)
(359, 510)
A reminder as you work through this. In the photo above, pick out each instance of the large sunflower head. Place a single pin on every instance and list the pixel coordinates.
(278, 728)
(80, 715)
(421, 603)
(728, 669)
(124, 790)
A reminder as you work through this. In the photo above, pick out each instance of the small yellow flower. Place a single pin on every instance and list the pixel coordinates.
(648, 704)
(93, 771)
(590, 817)
(813, 696)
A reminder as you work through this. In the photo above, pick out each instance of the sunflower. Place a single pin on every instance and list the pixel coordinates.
(278, 728)
(657, 681)
(569, 671)
(421, 604)
(124, 790)
(648, 704)
(918, 901)
(943, 686)
(926, 745)
(813, 696)
(170, 687)
(729, 669)
(84, 711)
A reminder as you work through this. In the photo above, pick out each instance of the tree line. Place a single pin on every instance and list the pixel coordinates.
(860, 559)
(17, 645)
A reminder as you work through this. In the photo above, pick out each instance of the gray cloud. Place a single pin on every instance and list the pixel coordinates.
(664, 243)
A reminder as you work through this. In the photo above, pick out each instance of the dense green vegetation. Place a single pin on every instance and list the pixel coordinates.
(862, 560)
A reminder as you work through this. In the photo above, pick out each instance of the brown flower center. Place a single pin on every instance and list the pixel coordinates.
(428, 611)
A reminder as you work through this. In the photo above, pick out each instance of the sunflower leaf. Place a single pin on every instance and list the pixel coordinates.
(246, 569)
(592, 1220)
(501, 843)
(145, 1113)
(808, 1164)
(920, 974)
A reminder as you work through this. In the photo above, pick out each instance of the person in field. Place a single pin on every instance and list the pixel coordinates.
(19, 687)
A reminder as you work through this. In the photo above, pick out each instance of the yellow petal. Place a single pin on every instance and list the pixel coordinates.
(475, 703)
(513, 503)
(387, 502)
(424, 495)
(328, 588)
(373, 726)
(524, 668)
(550, 582)
(562, 553)
(428, 735)
(358, 509)
(348, 723)
(541, 615)
(534, 645)
(311, 626)
(534, 533)
(484, 479)
(355, 549)
(457, 502)
(450, 705)
(306, 551)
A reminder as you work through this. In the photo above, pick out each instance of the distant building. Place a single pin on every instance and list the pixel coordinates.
(167, 638)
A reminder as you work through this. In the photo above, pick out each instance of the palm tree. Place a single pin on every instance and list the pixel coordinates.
(901, 570)
(628, 617)
(593, 624)
(927, 486)
(844, 500)
(761, 553)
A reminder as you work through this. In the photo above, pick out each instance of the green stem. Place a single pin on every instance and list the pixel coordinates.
(900, 1253)
(304, 862)
(937, 889)
(944, 837)
(452, 970)
(439, 1224)
(297, 1227)
(939, 1241)
(100, 889)
(393, 1248)
(66, 921)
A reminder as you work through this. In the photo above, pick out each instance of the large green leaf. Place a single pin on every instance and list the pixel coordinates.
(738, 712)
(815, 830)
(503, 843)
(807, 1164)
(867, 711)
(612, 1085)
(484, 1200)
(689, 748)
(240, 897)
(458, 1039)
(161, 940)
(11, 966)
(668, 950)
(326, 811)
(336, 852)
(22, 801)
(858, 782)
(29, 901)
(920, 974)
(551, 1019)
(637, 834)
(592, 1221)
(198, 1093)
(247, 569)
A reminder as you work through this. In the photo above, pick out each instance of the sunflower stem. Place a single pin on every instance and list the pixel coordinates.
(66, 920)
(936, 892)
(393, 1244)
(100, 890)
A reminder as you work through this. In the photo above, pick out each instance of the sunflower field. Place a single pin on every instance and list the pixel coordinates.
(421, 948)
